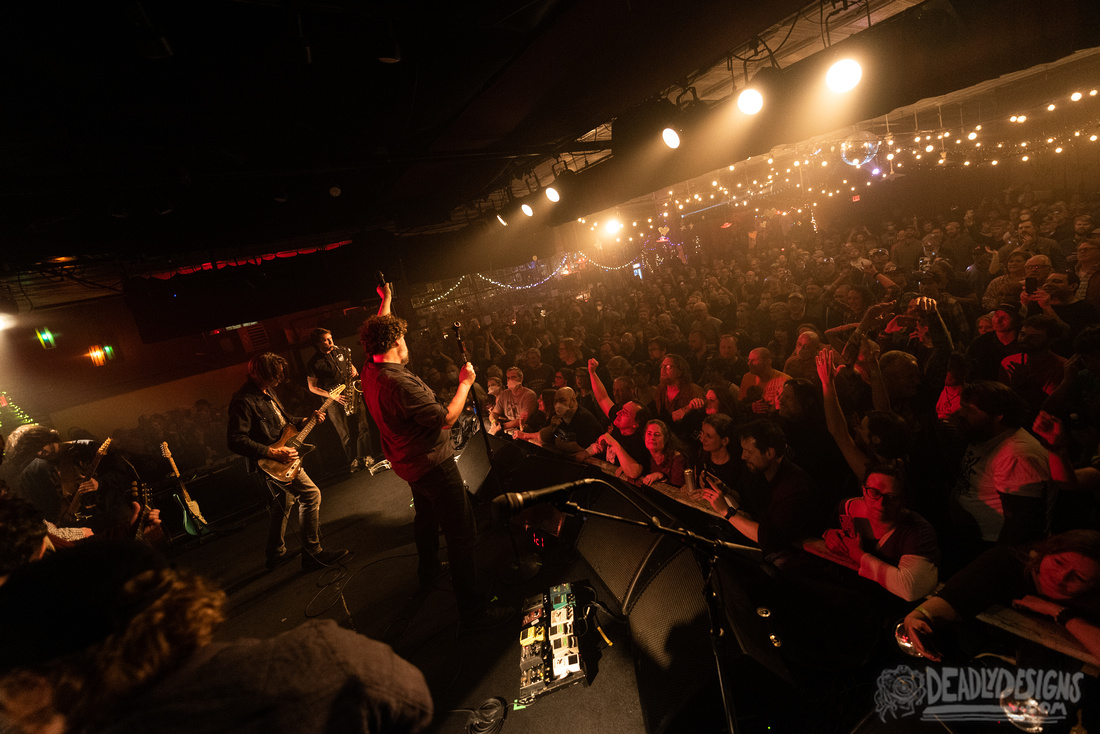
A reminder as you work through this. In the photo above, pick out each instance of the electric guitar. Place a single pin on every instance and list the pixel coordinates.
(151, 534)
(193, 521)
(71, 488)
(292, 438)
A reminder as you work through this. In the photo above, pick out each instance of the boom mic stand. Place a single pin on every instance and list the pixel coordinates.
(706, 554)
(524, 566)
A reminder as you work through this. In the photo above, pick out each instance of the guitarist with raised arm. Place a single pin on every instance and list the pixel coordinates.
(255, 431)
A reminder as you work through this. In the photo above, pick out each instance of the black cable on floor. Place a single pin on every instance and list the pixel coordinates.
(488, 718)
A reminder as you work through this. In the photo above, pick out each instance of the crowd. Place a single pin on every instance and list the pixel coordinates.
(912, 394)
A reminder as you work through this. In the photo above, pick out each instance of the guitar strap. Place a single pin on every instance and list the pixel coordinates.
(279, 412)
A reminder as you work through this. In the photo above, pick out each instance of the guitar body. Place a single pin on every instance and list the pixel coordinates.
(151, 534)
(193, 521)
(285, 473)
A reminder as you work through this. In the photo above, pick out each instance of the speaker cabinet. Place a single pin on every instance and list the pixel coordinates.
(674, 661)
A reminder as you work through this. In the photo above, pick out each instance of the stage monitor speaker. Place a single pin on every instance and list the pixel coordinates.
(478, 472)
(674, 660)
(619, 553)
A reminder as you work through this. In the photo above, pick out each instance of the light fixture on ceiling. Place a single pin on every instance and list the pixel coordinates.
(764, 83)
(671, 137)
(844, 75)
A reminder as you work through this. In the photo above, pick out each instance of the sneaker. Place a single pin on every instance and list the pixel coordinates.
(488, 617)
(366, 462)
(323, 559)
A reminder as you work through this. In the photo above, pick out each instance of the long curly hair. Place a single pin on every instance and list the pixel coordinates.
(379, 334)
(176, 613)
(24, 443)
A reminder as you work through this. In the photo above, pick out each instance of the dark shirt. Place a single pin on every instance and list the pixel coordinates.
(256, 421)
(330, 369)
(986, 353)
(317, 677)
(409, 417)
(538, 378)
(1076, 316)
(582, 429)
(40, 484)
(788, 508)
(634, 444)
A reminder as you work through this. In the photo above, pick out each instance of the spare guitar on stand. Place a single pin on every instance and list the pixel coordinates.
(193, 521)
(293, 439)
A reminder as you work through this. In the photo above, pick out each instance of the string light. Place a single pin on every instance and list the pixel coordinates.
(437, 299)
(525, 287)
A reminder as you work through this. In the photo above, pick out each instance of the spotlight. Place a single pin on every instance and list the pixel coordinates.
(843, 76)
(552, 194)
(500, 218)
(671, 137)
(563, 182)
(526, 209)
(750, 101)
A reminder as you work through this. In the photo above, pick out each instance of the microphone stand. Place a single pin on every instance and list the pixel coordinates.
(706, 554)
(524, 566)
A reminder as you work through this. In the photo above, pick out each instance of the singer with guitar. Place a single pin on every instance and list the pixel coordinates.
(256, 431)
(415, 429)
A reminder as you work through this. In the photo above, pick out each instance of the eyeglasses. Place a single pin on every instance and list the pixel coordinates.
(875, 495)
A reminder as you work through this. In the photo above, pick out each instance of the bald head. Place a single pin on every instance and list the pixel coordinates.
(760, 361)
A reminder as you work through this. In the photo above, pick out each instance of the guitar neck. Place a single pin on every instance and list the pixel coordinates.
(301, 436)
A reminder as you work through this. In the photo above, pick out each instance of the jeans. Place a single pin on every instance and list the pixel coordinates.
(283, 496)
(441, 501)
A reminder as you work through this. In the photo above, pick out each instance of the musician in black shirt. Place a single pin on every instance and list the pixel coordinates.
(331, 365)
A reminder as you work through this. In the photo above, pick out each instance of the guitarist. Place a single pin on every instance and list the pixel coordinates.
(32, 458)
(256, 422)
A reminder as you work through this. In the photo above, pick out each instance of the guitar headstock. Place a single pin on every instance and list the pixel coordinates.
(335, 392)
(102, 451)
(164, 450)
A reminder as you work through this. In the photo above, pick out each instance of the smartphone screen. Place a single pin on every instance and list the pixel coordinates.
(1031, 284)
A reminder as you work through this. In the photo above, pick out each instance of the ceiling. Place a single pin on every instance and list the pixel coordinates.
(183, 124)
(176, 130)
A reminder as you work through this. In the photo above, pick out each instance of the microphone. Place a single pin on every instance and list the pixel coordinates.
(382, 282)
(512, 502)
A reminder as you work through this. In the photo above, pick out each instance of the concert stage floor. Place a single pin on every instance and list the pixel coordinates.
(377, 594)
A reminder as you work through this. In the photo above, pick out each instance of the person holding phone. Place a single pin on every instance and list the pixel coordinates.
(894, 547)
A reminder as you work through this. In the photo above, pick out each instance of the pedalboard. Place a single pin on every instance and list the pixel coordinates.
(550, 658)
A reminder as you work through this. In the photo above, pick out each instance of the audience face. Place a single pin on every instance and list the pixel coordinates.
(655, 352)
(755, 461)
(1088, 253)
(713, 404)
(559, 379)
(513, 378)
(696, 342)
(1002, 322)
(1059, 288)
(654, 439)
(534, 359)
(1033, 340)
(627, 419)
(789, 406)
(1038, 267)
(710, 440)
(621, 391)
(760, 362)
(1065, 576)
(985, 324)
(881, 495)
(727, 348)
(670, 373)
(807, 345)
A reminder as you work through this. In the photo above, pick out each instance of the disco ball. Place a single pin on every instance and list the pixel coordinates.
(860, 148)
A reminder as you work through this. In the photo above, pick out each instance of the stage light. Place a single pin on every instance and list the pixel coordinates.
(613, 226)
(45, 338)
(972, 136)
(750, 101)
(552, 194)
(526, 209)
(671, 138)
(500, 219)
(844, 75)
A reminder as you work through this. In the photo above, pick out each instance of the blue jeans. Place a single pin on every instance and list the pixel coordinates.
(441, 501)
(283, 496)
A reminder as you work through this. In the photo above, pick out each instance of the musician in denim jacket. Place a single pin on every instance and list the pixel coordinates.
(256, 423)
